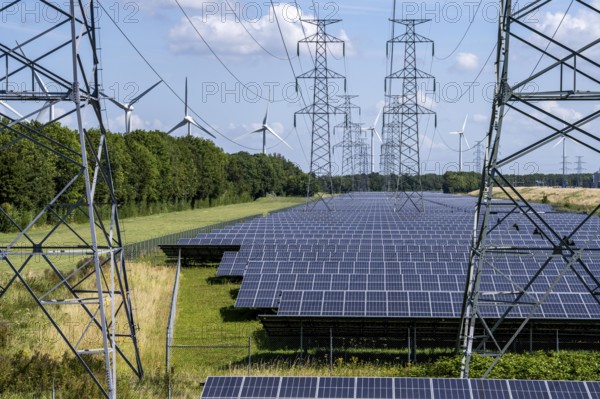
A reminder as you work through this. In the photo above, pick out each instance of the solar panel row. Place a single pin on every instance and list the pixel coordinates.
(364, 260)
(431, 305)
(394, 388)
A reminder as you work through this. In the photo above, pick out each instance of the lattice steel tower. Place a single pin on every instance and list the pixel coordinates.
(350, 131)
(579, 170)
(408, 168)
(390, 148)
(498, 306)
(362, 162)
(56, 63)
(321, 109)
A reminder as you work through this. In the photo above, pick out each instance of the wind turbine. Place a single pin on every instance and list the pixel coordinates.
(264, 129)
(49, 105)
(128, 107)
(373, 130)
(461, 136)
(188, 120)
(14, 111)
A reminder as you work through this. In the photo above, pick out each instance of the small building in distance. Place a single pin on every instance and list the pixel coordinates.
(596, 180)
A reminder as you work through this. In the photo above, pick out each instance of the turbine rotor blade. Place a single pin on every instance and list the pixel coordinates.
(180, 124)
(245, 135)
(266, 114)
(377, 118)
(193, 122)
(14, 111)
(464, 124)
(124, 107)
(558, 142)
(466, 141)
(186, 97)
(278, 137)
(378, 136)
(137, 98)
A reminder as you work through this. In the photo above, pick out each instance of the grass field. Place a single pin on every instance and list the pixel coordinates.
(563, 199)
(146, 227)
(142, 228)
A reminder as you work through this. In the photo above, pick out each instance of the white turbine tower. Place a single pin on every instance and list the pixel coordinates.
(461, 136)
(128, 107)
(188, 120)
(264, 129)
(373, 130)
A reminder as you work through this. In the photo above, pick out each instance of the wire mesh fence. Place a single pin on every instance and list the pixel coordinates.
(150, 247)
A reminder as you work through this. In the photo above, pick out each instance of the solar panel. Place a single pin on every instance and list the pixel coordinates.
(222, 387)
(298, 387)
(336, 387)
(260, 387)
(374, 388)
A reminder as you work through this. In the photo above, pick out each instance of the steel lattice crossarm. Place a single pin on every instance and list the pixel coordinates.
(558, 258)
(322, 108)
(57, 62)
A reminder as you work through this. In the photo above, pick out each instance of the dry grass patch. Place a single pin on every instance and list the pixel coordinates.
(565, 199)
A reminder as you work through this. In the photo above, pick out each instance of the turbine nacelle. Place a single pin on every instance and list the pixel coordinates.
(188, 120)
(128, 107)
(264, 129)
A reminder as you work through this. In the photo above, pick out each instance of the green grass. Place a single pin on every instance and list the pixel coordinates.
(143, 228)
(146, 227)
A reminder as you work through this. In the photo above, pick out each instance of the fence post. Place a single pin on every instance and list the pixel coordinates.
(171, 322)
(249, 354)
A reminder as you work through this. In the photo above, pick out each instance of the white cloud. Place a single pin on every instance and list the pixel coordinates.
(466, 62)
(230, 37)
(117, 123)
(427, 143)
(567, 114)
(480, 118)
(256, 35)
(576, 28)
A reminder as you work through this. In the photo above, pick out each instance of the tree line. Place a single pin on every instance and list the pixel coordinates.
(152, 172)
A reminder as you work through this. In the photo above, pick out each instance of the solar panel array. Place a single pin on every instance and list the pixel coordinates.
(394, 388)
(365, 260)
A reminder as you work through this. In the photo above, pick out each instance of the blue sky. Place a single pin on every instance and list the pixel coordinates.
(162, 33)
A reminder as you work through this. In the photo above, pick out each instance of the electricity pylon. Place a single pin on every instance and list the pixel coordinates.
(401, 120)
(498, 304)
(85, 267)
(321, 109)
(350, 131)
(362, 162)
(579, 169)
